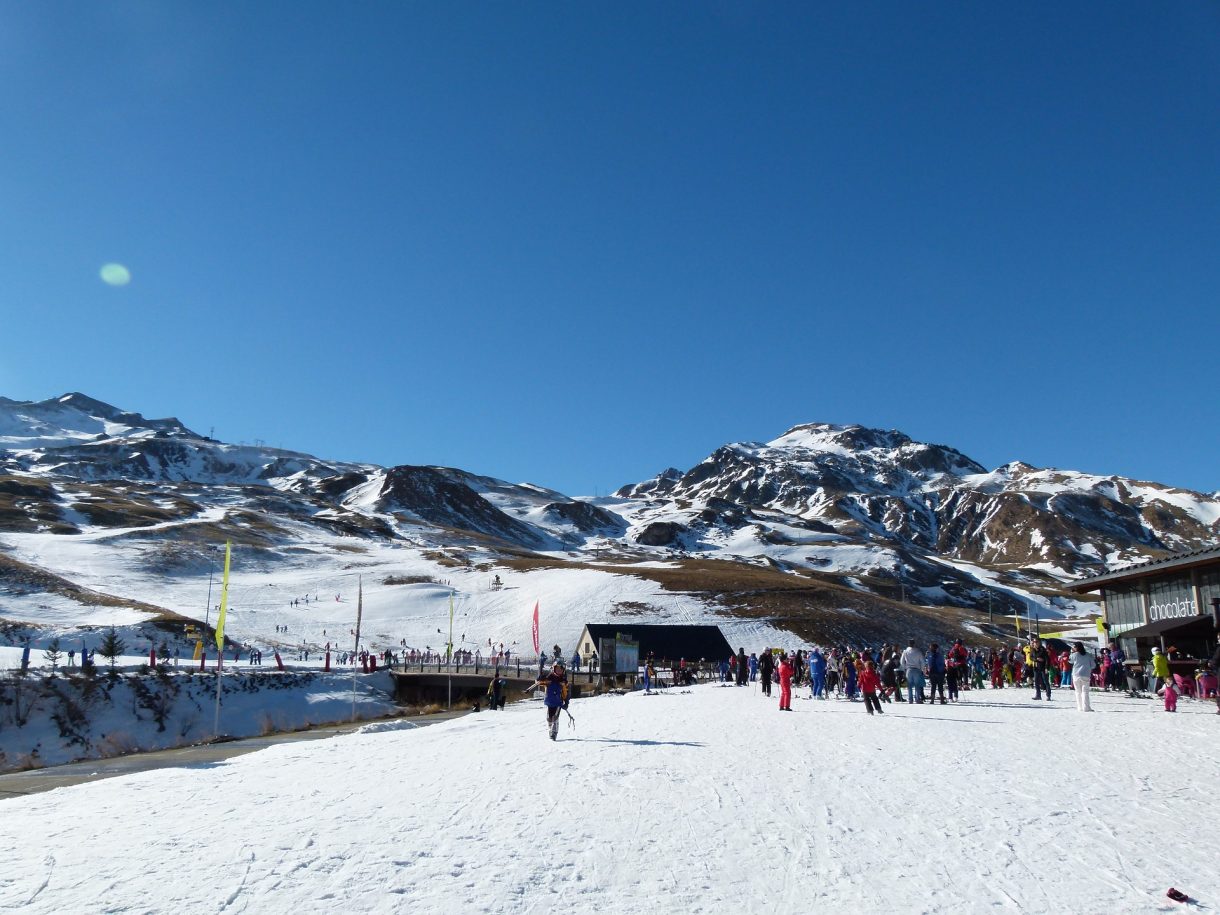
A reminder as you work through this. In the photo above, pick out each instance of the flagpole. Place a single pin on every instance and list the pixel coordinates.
(449, 650)
(220, 637)
(537, 644)
(356, 651)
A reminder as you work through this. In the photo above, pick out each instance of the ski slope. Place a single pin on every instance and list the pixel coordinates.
(707, 800)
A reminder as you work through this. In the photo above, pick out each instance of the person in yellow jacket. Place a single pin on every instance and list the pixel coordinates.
(1160, 669)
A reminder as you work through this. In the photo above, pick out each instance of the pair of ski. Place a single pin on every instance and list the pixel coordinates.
(571, 720)
(553, 729)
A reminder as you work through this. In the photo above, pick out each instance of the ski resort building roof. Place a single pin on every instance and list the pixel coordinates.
(1177, 562)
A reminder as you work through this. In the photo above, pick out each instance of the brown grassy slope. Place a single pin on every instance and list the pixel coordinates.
(28, 505)
(811, 607)
(22, 577)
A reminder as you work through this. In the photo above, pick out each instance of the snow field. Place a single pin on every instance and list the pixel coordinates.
(709, 800)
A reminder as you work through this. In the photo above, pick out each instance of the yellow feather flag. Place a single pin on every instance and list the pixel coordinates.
(224, 603)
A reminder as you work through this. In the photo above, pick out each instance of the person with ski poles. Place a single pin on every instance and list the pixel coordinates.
(556, 697)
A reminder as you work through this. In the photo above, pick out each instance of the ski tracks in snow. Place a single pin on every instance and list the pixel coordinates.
(713, 800)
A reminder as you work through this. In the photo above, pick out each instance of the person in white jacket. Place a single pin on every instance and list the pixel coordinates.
(911, 663)
(1082, 671)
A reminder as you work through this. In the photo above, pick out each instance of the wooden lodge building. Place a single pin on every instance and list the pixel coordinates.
(1168, 603)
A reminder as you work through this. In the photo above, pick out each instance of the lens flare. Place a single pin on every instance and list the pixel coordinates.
(115, 275)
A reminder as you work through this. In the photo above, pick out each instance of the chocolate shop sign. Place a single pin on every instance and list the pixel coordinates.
(1172, 609)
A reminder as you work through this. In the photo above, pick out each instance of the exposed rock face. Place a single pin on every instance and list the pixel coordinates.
(585, 517)
(661, 533)
(431, 495)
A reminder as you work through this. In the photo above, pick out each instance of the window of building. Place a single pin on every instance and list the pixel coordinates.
(1209, 588)
(1124, 608)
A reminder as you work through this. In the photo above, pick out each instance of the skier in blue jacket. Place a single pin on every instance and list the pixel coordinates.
(556, 697)
(817, 674)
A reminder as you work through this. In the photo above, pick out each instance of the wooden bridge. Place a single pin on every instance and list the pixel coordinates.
(464, 684)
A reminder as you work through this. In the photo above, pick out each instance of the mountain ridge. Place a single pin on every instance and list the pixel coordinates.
(871, 510)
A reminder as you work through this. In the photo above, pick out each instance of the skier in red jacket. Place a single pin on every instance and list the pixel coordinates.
(869, 683)
(785, 683)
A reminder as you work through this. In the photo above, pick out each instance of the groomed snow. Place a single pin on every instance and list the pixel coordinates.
(702, 801)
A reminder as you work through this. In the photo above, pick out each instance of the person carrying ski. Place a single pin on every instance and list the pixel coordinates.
(556, 697)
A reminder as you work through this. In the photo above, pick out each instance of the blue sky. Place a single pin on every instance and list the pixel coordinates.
(577, 243)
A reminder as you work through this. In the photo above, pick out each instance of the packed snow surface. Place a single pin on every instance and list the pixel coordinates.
(706, 800)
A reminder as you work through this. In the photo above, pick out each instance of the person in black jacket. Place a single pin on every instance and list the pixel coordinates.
(1041, 661)
(889, 679)
(743, 668)
(766, 668)
(497, 691)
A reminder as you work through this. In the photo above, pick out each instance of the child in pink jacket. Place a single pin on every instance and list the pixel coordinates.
(1171, 696)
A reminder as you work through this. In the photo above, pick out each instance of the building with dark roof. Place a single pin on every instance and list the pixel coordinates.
(669, 642)
(1168, 603)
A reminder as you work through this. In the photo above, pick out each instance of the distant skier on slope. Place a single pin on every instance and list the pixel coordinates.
(556, 697)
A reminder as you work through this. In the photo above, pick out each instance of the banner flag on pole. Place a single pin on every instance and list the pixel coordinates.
(536, 644)
(359, 609)
(224, 604)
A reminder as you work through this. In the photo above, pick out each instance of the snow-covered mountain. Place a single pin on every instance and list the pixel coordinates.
(847, 484)
(825, 531)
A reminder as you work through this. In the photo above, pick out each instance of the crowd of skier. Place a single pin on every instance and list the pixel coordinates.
(916, 676)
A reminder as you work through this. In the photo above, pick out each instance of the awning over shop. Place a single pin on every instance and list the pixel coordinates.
(1162, 627)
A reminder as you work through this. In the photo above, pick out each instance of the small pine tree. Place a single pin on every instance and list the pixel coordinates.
(53, 654)
(112, 646)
